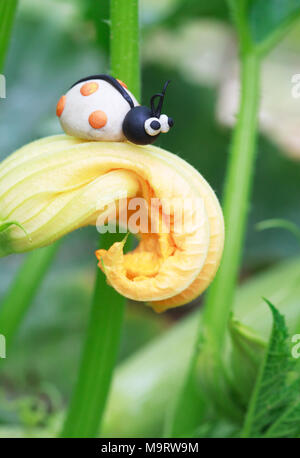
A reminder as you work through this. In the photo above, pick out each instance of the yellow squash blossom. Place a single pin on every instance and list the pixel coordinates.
(55, 185)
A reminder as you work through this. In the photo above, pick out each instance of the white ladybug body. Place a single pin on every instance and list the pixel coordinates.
(101, 108)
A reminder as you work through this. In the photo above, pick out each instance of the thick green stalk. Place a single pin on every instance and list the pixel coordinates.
(98, 359)
(220, 297)
(105, 325)
(7, 15)
(124, 43)
(214, 324)
(24, 287)
(236, 202)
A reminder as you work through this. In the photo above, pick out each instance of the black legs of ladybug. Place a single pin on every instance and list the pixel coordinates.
(142, 125)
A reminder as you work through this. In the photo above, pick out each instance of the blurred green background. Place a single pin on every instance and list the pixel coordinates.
(56, 42)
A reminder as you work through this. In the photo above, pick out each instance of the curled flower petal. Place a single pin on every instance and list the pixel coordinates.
(58, 184)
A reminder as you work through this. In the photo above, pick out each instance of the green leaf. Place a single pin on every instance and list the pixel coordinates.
(288, 424)
(273, 398)
(262, 23)
(268, 16)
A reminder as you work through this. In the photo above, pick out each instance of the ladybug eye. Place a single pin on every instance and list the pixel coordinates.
(165, 124)
(152, 126)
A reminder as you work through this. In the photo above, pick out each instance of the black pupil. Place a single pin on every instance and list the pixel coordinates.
(155, 125)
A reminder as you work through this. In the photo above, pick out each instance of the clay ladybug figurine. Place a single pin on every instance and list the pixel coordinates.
(101, 108)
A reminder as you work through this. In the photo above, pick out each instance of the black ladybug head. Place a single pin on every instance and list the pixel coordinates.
(142, 125)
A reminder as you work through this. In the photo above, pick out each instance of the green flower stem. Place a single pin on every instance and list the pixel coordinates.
(98, 359)
(220, 297)
(124, 43)
(105, 325)
(20, 296)
(236, 202)
(7, 15)
(209, 347)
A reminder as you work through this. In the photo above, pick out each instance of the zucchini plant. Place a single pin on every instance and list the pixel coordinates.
(231, 373)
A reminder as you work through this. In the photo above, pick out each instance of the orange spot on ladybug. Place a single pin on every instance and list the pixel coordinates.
(97, 119)
(122, 84)
(89, 88)
(60, 105)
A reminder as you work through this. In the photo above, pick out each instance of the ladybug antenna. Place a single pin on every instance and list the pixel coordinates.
(161, 95)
